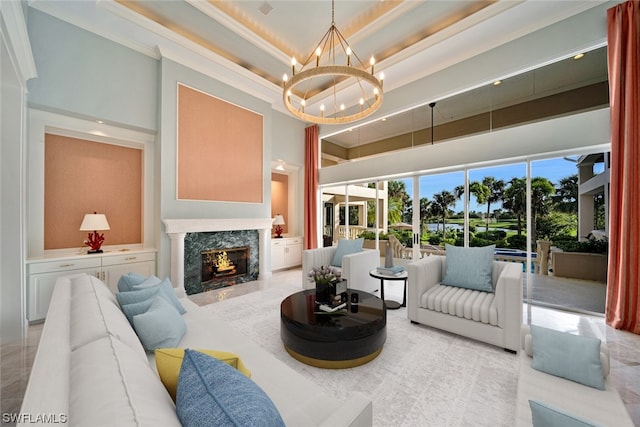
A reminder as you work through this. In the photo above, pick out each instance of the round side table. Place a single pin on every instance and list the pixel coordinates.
(391, 305)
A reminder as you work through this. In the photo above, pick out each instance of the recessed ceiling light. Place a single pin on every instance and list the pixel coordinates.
(265, 8)
(384, 119)
(99, 121)
(578, 56)
(497, 82)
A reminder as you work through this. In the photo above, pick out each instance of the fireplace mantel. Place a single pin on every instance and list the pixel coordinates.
(178, 228)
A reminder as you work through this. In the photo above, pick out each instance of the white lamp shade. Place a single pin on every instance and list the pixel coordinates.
(94, 222)
(278, 220)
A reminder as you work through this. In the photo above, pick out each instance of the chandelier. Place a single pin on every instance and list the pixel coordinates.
(327, 72)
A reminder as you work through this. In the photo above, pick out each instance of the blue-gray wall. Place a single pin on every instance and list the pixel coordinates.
(87, 76)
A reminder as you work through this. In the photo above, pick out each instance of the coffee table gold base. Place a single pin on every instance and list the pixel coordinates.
(333, 364)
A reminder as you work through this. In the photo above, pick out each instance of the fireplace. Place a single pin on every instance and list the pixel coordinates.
(214, 260)
(221, 267)
(190, 237)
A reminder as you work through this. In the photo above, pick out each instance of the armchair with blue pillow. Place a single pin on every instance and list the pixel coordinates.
(468, 293)
(353, 261)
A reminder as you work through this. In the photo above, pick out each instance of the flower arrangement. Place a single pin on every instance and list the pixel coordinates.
(325, 274)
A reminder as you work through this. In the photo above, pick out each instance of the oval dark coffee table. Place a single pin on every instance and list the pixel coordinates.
(347, 338)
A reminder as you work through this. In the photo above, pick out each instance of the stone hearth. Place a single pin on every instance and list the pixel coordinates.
(177, 230)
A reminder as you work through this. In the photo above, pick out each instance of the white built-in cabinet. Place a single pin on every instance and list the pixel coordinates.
(42, 273)
(286, 252)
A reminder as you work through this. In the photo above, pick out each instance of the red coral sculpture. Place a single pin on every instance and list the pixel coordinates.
(94, 241)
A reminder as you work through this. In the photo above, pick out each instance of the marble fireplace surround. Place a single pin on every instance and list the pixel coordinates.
(177, 229)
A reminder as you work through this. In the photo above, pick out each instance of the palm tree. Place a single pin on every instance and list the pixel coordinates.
(566, 198)
(541, 191)
(496, 190)
(440, 206)
(481, 192)
(515, 199)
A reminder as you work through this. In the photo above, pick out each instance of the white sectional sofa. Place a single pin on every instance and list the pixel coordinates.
(355, 267)
(601, 407)
(494, 318)
(91, 369)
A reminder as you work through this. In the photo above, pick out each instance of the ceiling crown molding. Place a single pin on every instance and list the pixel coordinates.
(18, 37)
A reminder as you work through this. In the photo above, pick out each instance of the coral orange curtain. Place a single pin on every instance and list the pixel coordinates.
(311, 187)
(623, 32)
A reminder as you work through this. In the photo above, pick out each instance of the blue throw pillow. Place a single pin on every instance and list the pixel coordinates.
(470, 268)
(166, 291)
(128, 281)
(159, 327)
(544, 415)
(569, 356)
(346, 247)
(140, 295)
(212, 393)
(135, 308)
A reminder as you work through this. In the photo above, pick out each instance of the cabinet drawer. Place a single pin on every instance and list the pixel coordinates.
(294, 241)
(277, 242)
(126, 258)
(63, 265)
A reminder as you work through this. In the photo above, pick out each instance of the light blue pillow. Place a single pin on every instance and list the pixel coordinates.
(166, 291)
(159, 327)
(470, 268)
(346, 247)
(140, 295)
(212, 393)
(128, 281)
(133, 309)
(544, 415)
(569, 356)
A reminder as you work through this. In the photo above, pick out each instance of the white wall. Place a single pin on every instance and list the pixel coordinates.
(16, 67)
(288, 145)
(578, 33)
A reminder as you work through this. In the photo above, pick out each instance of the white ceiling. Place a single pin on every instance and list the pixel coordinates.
(249, 44)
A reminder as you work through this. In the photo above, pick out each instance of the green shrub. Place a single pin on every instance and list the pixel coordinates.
(492, 235)
(517, 242)
(477, 241)
(435, 239)
(589, 246)
(370, 235)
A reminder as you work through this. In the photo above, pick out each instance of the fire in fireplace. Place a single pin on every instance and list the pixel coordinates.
(222, 267)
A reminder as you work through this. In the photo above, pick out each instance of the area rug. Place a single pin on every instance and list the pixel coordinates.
(422, 377)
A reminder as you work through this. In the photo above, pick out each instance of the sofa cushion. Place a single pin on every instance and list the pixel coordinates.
(573, 357)
(470, 268)
(165, 290)
(160, 326)
(169, 361)
(110, 385)
(208, 392)
(467, 303)
(346, 247)
(545, 415)
(94, 315)
(128, 281)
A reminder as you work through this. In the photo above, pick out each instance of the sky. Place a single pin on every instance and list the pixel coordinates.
(552, 169)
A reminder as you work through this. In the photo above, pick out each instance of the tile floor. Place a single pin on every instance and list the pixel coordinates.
(16, 358)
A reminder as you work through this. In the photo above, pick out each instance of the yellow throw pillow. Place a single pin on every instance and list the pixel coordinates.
(169, 361)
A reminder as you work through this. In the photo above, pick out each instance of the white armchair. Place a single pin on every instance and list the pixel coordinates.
(494, 318)
(355, 267)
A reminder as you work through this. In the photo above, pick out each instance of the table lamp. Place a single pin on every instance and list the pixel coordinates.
(94, 222)
(278, 221)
